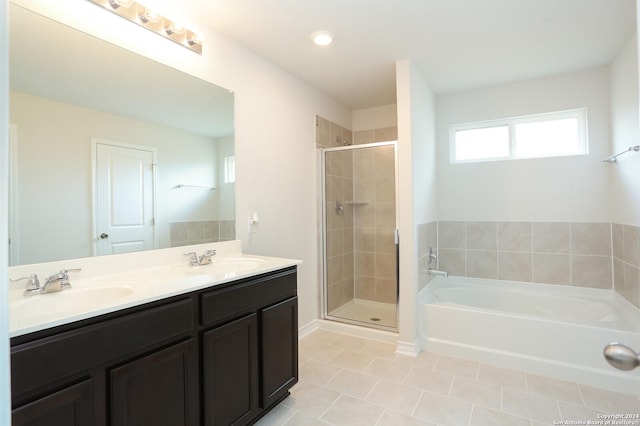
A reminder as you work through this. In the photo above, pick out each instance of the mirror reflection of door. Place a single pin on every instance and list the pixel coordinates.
(124, 215)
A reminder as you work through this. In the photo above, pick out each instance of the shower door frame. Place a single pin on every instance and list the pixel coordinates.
(323, 233)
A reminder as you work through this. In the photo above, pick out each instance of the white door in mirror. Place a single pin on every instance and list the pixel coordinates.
(124, 198)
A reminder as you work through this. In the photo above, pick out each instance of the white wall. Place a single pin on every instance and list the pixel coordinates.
(5, 389)
(225, 191)
(416, 184)
(54, 174)
(275, 132)
(552, 189)
(625, 174)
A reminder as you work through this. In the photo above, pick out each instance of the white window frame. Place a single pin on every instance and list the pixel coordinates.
(580, 114)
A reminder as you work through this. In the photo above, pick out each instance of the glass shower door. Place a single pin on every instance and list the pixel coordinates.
(360, 253)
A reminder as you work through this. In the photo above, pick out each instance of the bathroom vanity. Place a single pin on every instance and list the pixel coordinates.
(219, 354)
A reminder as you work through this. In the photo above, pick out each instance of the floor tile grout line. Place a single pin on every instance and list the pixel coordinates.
(431, 366)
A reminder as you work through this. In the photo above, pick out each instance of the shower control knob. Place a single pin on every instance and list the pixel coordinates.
(104, 236)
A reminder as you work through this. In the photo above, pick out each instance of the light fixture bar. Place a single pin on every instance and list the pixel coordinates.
(147, 18)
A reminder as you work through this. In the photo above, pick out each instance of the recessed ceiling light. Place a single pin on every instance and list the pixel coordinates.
(322, 38)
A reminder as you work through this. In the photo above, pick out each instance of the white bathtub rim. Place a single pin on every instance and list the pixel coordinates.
(425, 296)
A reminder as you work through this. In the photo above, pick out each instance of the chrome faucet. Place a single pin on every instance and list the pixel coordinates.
(205, 259)
(433, 258)
(58, 282)
(53, 283)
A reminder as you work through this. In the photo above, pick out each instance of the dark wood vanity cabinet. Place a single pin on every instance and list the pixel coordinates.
(158, 389)
(72, 406)
(220, 356)
(250, 348)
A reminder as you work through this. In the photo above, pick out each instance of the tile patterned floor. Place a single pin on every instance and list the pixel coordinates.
(346, 380)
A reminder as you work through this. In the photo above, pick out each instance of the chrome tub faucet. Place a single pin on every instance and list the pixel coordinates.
(433, 258)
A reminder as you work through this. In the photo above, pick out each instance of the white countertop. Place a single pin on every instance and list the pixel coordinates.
(112, 283)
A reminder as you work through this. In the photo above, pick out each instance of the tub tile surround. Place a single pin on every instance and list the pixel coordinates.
(595, 255)
(200, 232)
(347, 380)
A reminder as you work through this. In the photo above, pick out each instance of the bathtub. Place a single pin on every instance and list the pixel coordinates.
(557, 331)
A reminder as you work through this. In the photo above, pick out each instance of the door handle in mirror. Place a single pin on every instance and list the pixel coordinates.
(104, 236)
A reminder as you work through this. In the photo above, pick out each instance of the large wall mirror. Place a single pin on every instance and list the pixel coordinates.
(111, 152)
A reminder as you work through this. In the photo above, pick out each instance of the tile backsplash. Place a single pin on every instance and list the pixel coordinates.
(626, 261)
(597, 255)
(198, 232)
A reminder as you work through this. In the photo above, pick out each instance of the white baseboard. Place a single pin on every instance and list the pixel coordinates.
(408, 348)
(352, 330)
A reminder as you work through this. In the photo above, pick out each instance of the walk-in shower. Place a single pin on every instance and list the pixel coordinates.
(360, 255)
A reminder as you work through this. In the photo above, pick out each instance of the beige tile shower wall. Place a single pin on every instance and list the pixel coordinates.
(626, 261)
(385, 134)
(199, 232)
(374, 222)
(330, 135)
(564, 253)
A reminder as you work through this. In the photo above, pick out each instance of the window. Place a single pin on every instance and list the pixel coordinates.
(552, 134)
(229, 169)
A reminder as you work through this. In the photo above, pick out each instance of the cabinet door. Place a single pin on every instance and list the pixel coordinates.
(72, 406)
(159, 389)
(279, 333)
(230, 360)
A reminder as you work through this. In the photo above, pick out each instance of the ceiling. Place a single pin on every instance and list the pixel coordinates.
(456, 44)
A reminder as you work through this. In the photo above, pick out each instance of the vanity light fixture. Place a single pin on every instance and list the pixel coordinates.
(147, 18)
(322, 38)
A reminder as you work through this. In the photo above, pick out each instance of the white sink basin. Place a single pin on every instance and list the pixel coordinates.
(236, 264)
(30, 309)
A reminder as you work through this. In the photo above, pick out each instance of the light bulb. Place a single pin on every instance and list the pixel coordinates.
(322, 38)
(196, 38)
(149, 16)
(174, 28)
(120, 3)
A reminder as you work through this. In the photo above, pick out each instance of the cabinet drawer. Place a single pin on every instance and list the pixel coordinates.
(230, 302)
(52, 359)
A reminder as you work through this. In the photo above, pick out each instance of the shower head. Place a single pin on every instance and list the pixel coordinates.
(343, 141)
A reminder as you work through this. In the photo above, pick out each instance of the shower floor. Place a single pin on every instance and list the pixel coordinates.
(369, 312)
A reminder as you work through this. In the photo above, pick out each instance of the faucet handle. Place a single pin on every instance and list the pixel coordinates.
(193, 258)
(205, 259)
(65, 278)
(33, 285)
